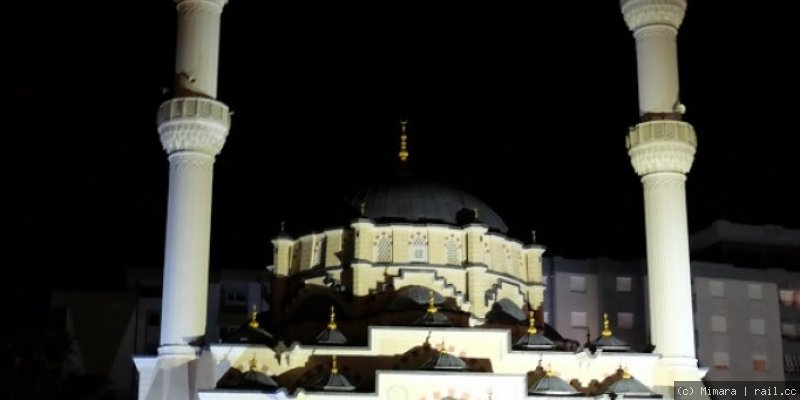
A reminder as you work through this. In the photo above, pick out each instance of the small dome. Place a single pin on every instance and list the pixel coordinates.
(551, 385)
(443, 360)
(407, 200)
(536, 341)
(629, 387)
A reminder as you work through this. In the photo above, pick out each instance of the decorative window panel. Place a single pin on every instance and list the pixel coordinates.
(452, 249)
(316, 253)
(418, 247)
(382, 247)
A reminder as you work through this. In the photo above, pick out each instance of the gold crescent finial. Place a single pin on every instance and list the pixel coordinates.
(253, 364)
(334, 365)
(606, 326)
(332, 323)
(626, 374)
(403, 154)
(432, 303)
(253, 315)
(550, 371)
(531, 322)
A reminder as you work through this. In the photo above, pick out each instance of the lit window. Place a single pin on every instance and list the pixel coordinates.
(235, 296)
(721, 360)
(578, 319)
(757, 326)
(624, 320)
(788, 329)
(623, 284)
(787, 297)
(719, 324)
(716, 288)
(754, 291)
(759, 362)
(577, 284)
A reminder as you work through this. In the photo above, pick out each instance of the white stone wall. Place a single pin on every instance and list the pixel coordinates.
(508, 380)
(392, 254)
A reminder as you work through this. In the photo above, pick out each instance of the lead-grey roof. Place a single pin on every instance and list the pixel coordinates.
(537, 341)
(331, 336)
(445, 361)
(551, 385)
(629, 386)
(407, 199)
(611, 343)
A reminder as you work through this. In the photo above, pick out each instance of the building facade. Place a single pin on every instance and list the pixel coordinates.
(424, 293)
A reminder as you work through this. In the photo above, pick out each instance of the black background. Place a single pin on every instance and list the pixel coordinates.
(526, 107)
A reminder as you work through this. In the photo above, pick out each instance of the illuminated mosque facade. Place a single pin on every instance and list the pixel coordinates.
(423, 295)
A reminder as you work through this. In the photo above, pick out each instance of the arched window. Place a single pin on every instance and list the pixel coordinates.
(317, 251)
(383, 248)
(418, 247)
(452, 250)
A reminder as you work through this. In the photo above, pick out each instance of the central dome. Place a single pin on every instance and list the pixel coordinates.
(408, 200)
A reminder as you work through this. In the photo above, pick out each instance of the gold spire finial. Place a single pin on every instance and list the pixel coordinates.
(283, 226)
(253, 364)
(362, 208)
(432, 303)
(253, 314)
(606, 328)
(334, 365)
(475, 213)
(550, 371)
(442, 348)
(403, 154)
(332, 323)
(533, 236)
(531, 322)
(625, 373)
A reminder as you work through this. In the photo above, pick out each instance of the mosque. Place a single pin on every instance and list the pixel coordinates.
(422, 295)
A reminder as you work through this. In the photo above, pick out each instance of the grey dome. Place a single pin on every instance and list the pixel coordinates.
(552, 385)
(409, 200)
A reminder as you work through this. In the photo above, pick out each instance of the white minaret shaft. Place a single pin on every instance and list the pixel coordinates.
(197, 50)
(657, 66)
(662, 150)
(193, 128)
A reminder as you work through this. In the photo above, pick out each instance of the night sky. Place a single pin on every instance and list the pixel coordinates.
(525, 107)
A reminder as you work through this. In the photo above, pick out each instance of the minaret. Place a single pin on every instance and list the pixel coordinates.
(193, 126)
(662, 149)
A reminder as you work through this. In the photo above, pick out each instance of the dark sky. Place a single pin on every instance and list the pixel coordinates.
(525, 107)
